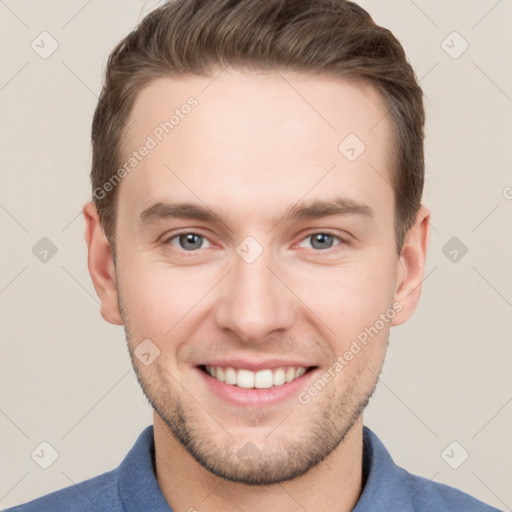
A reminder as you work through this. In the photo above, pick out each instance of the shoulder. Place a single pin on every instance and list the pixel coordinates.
(390, 487)
(429, 495)
(98, 493)
(132, 481)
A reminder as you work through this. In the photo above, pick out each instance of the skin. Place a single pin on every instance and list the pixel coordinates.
(252, 148)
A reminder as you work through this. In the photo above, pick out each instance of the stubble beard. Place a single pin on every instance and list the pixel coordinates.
(241, 461)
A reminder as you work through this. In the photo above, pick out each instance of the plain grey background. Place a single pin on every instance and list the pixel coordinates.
(65, 376)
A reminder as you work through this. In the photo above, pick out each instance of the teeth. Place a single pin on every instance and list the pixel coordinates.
(279, 377)
(261, 379)
(300, 371)
(230, 376)
(244, 379)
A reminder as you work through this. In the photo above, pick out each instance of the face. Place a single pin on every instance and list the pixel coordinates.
(253, 248)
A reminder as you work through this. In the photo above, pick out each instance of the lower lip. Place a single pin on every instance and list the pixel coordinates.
(255, 397)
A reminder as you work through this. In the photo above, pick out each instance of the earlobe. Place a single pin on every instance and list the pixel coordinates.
(411, 266)
(101, 265)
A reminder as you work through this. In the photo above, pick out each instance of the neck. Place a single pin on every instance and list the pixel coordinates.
(333, 485)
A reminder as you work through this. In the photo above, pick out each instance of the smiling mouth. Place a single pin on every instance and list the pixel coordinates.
(262, 379)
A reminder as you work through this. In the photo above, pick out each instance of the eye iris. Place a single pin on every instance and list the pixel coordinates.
(321, 241)
(190, 241)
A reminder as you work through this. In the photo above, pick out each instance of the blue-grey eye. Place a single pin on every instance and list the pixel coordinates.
(189, 241)
(321, 240)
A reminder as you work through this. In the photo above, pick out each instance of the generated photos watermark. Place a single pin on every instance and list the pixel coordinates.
(152, 140)
(356, 346)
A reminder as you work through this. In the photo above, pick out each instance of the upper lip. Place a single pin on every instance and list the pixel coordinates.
(246, 364)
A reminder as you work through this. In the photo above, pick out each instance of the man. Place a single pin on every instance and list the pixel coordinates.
(257, 228)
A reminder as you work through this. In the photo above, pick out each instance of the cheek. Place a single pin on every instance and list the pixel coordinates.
(158, 298)
(348, 299)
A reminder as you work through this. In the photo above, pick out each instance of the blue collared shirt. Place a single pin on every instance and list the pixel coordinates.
(133, 487)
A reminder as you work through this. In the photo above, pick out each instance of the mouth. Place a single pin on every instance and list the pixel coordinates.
(265, 378)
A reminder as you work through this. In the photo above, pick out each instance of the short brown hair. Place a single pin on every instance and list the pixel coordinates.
(326, 37)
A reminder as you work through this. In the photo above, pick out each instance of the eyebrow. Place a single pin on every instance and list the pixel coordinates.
(324, 208)
(312, 210)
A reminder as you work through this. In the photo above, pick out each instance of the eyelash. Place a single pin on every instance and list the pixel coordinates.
(342, 241)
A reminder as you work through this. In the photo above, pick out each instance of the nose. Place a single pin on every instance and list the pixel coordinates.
(254, 301)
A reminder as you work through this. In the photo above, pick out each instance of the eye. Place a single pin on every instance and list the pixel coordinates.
(188, 241)
(321, 241)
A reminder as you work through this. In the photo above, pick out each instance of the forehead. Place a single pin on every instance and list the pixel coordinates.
(244, 137)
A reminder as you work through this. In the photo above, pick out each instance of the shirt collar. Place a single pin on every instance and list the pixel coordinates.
(138, 486)
(386, 484)
(385, 488)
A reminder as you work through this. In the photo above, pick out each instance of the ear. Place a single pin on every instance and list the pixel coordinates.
(411, 266)
(101, 265)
